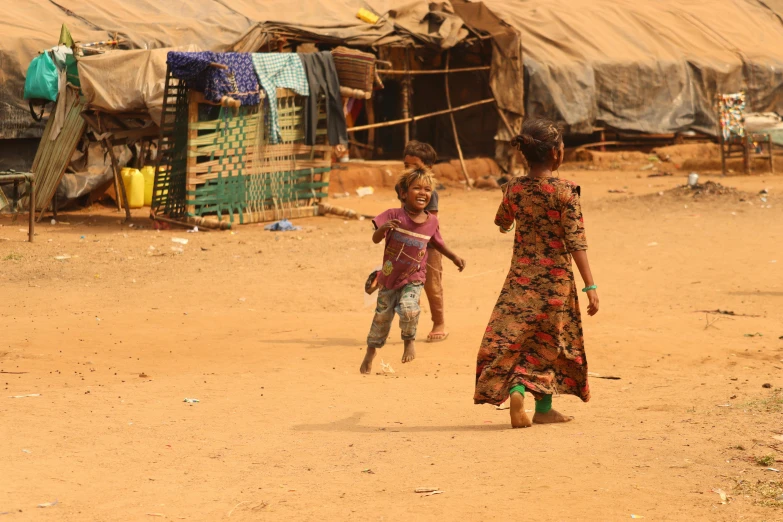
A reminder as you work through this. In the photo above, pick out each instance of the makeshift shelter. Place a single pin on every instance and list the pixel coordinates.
(122, 91)
(221, 157)
(647, 67)
(267, 26)
(650, 67)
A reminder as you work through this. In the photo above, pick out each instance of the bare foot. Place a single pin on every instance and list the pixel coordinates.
(551, 417)
(367, 362)
(410, 352)
(519, 418)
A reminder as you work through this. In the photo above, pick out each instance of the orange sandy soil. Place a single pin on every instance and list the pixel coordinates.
(267, 331)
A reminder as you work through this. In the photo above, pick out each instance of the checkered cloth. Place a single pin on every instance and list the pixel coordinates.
(279, 70)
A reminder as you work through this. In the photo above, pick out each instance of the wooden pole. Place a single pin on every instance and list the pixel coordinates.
(454, 124)
(190, 187)
(405, 113)
(406, 99)
(97, 124)
(369, 106)
(391, 72)
(505, 120)
(31, 224)
(421, 116)
(118, 179)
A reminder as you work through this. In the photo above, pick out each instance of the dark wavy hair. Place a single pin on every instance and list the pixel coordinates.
(538, 138)
(421, 150)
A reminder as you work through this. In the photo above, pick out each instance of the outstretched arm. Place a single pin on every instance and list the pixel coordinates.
(580, 257)
(454, 258)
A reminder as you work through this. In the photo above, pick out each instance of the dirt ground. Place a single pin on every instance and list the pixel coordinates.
(267, 331)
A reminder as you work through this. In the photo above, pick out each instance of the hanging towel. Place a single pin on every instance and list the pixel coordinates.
(322, 77)
(279, 70)
(239, 81)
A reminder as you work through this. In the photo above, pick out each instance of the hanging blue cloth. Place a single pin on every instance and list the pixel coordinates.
(239, 81)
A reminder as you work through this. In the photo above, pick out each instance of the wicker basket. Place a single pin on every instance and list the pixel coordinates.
(354, 68)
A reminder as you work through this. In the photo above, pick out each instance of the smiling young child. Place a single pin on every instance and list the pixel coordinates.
(407, 231)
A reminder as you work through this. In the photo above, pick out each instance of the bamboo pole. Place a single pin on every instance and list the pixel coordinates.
(454, 124)
(421, 116)
(190, 176)
(94, 121)
(31, 210)
(370, 109)
(392, 72)
(512, 164)
(115, 165)
(204, 224)
(505, 120)
(405, 111)
(406, 94)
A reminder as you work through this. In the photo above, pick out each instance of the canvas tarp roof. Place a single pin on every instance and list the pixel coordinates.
(127, 80)
(646, 66)
(218, 25)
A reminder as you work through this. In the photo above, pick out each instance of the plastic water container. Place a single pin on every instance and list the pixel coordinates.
(134, 187)
(367, 16)
(148, 173)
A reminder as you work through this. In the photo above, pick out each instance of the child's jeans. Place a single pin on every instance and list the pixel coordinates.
(405, 302)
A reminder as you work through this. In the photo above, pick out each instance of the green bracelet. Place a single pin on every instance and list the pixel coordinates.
(591, 287)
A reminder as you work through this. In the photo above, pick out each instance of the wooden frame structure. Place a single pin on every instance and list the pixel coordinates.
(120, 129)
(407, 106)
(216, 165)
(734, 140)
(16, 178)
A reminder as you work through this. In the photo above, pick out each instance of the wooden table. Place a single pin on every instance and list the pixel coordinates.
(15, 178)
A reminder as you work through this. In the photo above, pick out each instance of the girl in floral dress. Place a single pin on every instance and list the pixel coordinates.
(534, 338)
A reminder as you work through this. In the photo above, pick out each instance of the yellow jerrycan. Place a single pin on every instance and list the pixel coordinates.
(148, 173)
(134, 187)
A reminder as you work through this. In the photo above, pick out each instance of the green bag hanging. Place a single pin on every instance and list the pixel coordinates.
(41, 82)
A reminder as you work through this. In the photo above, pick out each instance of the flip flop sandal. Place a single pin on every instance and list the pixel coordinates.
(371, 285)
(437, 338)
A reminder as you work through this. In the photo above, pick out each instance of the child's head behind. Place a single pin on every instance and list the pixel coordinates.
(418, 154)
(416, 186)
(541, 142)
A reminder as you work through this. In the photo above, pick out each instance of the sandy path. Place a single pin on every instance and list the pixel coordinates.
(267, 331)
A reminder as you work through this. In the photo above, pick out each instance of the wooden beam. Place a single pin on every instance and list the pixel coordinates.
(118, 178)
(421, 116)
(392, 72)
(454, 124)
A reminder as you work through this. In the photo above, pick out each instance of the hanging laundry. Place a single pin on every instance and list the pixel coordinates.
(239, 81)
(732, 120)
(279, 70)
(322, 77)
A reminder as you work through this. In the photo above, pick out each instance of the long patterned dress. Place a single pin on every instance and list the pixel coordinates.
(534, 336)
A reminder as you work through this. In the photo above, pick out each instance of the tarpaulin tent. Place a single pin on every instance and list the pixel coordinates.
(641, 66)
(241, 25)
(651, 67)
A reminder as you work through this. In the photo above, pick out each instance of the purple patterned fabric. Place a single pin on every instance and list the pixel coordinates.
(239, 81)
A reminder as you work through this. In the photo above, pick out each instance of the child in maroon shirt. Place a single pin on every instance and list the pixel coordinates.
(407, 231)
